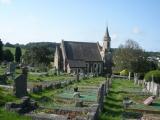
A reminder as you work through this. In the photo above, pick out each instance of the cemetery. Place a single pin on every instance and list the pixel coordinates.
(73, 96)
(79, 97)
(79, 60)
(80, 81)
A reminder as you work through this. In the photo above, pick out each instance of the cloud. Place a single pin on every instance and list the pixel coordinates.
(6, 2)
(136, 30)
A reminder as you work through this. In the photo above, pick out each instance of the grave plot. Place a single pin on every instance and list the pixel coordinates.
(122, 93)
(86, 94)
(73, 103)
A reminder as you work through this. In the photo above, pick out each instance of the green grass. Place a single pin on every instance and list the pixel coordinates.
(2, 70)
(6, 115)
(113, 107)
(40, 78)
(12, 49)
(6, 96)
(95, 81)
(51, 95)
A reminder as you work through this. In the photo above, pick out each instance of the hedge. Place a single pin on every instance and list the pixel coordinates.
(155, 74)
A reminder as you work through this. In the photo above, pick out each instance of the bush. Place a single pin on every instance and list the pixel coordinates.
(155, 74)
(124, 72)
(116, 73)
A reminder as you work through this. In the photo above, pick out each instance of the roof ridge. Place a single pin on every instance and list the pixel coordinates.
(80, 42)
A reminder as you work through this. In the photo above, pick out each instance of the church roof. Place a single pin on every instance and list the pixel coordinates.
(82, 51)
(77, 63)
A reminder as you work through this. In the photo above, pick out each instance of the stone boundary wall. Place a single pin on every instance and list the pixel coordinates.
(90, 113)
(54, 85)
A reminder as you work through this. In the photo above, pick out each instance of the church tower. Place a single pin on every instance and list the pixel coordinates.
(106, 54)
(107, 41)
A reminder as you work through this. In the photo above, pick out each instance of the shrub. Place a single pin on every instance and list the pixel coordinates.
(155, 74)
(116, 73)
(124, 72)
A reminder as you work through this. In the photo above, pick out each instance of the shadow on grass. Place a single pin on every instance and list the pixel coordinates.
(111, 105)
(132, 115)
(110, 112)
(118, 92)
(111, 99)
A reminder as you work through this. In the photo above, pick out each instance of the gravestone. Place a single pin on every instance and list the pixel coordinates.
(20, 84)
(11, 70)
(76, 95)
(158, 90)
(77, 77)
(149, 100)
(129, 76)
(135, 78)
(78, 103)
(11, 67)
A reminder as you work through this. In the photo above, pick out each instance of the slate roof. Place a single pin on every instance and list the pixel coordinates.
(79, 52)
(76, 63)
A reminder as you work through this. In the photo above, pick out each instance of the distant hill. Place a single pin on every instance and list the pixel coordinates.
(12, 49)
(44, 44)
(50, 45)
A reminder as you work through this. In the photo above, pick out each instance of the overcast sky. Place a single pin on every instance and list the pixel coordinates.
(23, 21)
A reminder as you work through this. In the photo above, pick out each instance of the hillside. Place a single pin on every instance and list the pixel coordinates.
(12, 49)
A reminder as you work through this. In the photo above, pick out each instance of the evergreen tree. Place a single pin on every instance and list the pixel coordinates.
(1, 51)
(18, 54)
(8, 56)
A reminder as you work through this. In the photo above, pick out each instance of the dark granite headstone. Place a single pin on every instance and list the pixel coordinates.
(20, 85)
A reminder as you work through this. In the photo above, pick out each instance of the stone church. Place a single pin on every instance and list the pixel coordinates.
(84, 57)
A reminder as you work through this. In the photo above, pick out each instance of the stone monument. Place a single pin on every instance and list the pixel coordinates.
(20, 84)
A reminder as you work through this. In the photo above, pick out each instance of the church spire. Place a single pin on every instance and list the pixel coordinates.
(106, 41)
(107, 36)
(107, 33)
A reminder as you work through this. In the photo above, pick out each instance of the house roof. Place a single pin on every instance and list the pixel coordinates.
(82, 51)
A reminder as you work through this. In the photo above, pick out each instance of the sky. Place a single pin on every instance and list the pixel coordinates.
(24, 21)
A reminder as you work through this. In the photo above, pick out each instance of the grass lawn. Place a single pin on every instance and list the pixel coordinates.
(95, 81)
(40, 78)
(12, 49)
(2, 70)
(6, 115)
(6, 96)
(113, 107)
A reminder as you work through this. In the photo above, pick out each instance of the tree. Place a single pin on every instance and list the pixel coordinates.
(9, 45)
(8, 56)
(38, 55)
(132, 57)
(18, 54)
(1, 51)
